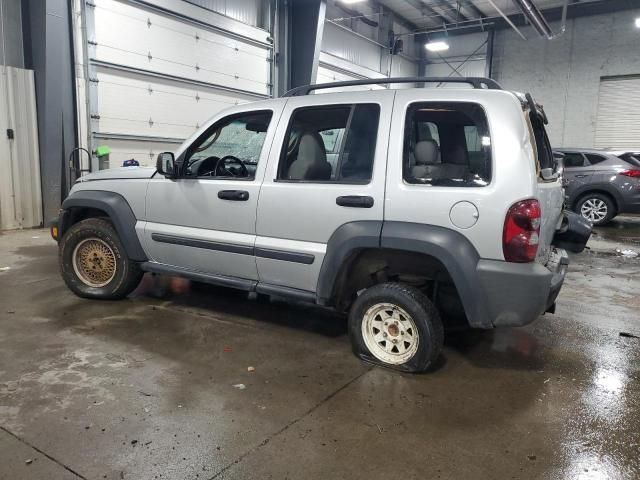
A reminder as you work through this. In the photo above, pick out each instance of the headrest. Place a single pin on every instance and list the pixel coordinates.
(427, 152)
(312, 147)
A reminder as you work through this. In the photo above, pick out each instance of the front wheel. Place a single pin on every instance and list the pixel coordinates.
(94, 263)
(597, 208)
(397, 326)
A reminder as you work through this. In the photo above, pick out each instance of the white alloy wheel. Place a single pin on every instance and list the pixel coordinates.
(594, 209)
(390, 333)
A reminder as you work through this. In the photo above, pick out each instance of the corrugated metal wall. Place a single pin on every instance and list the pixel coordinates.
(156, 76)
(350, 49)
(466, 57)
(20, 194)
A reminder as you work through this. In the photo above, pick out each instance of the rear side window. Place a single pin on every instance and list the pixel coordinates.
(447, 144)
(573, 160)
(595, 159)
(334, 143)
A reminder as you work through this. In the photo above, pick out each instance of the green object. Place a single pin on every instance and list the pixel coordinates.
(102, 150)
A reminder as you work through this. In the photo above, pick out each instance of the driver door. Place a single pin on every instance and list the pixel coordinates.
(204, 220)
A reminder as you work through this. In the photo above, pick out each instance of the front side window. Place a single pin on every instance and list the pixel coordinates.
(229, 149)
(447, 144)
(333, 143)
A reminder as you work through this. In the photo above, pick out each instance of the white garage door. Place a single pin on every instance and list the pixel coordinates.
(157, 75)
(618, 120)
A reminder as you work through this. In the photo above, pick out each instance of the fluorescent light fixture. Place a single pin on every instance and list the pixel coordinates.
(638, 22)
(438, 46)
(349, 2)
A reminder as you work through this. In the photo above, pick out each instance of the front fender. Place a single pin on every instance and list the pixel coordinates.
(118, 210)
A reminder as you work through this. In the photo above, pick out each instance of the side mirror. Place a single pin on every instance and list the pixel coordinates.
(166, 164)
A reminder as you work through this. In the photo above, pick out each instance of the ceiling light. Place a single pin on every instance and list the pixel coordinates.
(349, 2)
(438, 46)
(638, 22)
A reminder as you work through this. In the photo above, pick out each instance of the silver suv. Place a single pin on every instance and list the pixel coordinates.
(410, 209)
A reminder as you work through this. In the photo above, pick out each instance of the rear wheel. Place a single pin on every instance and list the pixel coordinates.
(94, 263)
(397, 326)
(597, 208)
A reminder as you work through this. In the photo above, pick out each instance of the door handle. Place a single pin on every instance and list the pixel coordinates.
(356, 201)
(235, 195)
(581, 176)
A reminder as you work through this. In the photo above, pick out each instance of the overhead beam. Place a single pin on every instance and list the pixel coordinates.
(576, 10)
(423, 7)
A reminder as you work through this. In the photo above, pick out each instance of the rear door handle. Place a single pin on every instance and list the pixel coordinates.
(581, 176)
(356, 201)
(235, 195)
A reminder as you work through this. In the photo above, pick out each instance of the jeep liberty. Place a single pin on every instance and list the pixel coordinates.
(409, 209)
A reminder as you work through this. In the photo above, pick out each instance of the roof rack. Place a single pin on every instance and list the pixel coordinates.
(476, 82)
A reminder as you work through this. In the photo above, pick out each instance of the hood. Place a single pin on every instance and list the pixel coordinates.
(121, 173)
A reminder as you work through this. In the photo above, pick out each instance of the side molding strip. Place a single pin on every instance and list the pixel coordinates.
(295, 257)
(206, 244)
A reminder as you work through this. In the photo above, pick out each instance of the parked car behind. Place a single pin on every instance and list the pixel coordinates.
(601, 184)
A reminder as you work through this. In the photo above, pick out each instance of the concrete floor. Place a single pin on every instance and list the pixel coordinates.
(144, 388)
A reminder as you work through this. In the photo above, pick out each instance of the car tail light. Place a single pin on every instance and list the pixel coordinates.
(630, 173)
(521, 233)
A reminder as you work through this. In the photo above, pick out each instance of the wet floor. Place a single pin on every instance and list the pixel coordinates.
(159, 385)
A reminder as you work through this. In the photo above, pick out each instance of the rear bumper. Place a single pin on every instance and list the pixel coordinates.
(515, 294)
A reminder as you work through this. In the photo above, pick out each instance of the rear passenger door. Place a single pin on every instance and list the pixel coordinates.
(576, 171)
(313, 187)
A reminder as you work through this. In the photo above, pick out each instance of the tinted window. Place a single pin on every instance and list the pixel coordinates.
(447, 144)
(308, 141)
(573, 160)
(230, 148)
(594, 159)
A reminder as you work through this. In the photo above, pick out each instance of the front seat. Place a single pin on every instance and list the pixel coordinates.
(427, 155)
(311, 161)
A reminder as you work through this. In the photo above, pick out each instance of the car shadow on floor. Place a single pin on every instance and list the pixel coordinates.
(206, 298)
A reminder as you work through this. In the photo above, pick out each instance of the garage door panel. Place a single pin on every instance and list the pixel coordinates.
(128, 35)
(618, 118)
(156, 77)
(145, 153)
(130, 104)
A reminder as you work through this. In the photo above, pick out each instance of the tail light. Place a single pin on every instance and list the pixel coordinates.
(521, 233)
(630, 173)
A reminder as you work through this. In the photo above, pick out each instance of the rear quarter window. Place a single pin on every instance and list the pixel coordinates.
(447, 144)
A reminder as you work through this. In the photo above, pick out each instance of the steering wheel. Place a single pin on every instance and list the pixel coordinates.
(207, 166)
(221, 169)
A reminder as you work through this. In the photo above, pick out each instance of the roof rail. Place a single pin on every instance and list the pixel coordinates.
(476, 82)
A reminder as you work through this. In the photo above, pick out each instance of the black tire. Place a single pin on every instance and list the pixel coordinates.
(127, 274)
(596, 197)
(422, 312)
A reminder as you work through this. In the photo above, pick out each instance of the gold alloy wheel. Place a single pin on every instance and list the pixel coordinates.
(94, 262)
